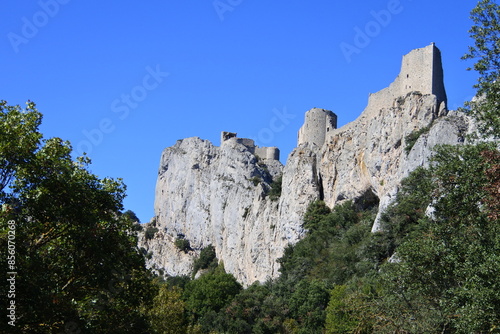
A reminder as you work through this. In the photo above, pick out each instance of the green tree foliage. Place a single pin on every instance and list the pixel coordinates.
(308, 304)
(412, 138)
(336, 247)
(244, 313)
(492, 201)
(206, 259)
(132, 216)
(315, 212)
(183, 244)
(406, 213)
(275, 191)
(167, 314)
(210, 293)
(448, 277)
(339, 317)
(77, 264)
(150, 232)
(486, 53)
(19, 138)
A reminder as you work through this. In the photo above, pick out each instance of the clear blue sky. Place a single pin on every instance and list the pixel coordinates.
(125, 79)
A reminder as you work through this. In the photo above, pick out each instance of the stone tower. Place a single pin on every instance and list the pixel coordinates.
(318, 122)
(421, 71)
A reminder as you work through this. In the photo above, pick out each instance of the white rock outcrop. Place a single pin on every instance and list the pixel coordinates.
(218, 196)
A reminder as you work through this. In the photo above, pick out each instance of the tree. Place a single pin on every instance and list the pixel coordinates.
(77, 263)
(210, 292)
(492, 159)
(315, 212)
(307, 305)
(447, 279)
(275, 191)
(406, 213)
(167, 314)
(486, 52)
(19, 138)
(207, 259)
(150, 232)
(183, 244)
(243, 314)
(132, 216)
(339, 317)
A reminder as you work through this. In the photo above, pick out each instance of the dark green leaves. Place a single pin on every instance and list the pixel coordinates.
(19, 138)
(486, 52)
(78, 265)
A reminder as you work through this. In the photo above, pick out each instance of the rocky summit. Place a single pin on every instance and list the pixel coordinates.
(229, 196)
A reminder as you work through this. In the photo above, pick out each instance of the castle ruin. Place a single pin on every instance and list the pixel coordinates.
(421, 71)
(271, 153)
(318, 123)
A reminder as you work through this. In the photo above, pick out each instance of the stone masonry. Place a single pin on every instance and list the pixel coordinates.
(271, 153)
(421, 71)
(318, 123)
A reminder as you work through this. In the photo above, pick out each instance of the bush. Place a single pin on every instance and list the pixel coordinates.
(183, 245)
(316, 211)
(412, 138)
(210, 293)
(339, 317)
(150, 232)
(275, 192)
(137, 227)
(167, 314)
(256, 180)
(131, 214)
(334, 248)
(206, 259)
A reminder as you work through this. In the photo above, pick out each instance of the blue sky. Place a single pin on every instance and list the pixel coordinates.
(122, 80)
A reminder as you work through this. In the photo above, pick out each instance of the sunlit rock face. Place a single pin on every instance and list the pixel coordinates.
(220, 195)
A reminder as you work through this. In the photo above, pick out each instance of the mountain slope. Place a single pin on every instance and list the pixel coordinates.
(218, 196)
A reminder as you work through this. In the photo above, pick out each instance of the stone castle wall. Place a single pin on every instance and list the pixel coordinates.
(272, 153)
(318, 123)
(421, 71)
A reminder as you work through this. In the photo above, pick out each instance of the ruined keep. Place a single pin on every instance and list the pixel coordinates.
(421, 71)
(318, 123)
(272, 153)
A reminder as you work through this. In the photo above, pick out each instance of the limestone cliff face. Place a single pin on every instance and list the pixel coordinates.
(219, 195)
(367, 159)
(215, 196)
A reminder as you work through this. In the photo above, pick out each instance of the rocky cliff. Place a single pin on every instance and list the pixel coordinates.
(220, 196)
